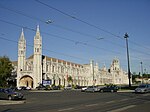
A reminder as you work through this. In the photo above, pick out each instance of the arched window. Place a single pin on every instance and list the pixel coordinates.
(37, 49)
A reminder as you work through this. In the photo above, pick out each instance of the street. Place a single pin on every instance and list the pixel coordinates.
(75, 100)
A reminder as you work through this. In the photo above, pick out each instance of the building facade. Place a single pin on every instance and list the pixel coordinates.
(37, 68)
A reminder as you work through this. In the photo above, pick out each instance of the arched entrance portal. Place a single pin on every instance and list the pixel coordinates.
(26, 81)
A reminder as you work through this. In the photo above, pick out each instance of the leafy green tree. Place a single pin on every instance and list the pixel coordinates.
(5, 70)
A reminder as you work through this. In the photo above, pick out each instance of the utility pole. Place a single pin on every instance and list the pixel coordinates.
(129, 73)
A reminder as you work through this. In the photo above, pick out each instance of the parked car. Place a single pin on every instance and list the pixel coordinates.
(78, 87)
(24, 88)
(41, 87)
(10, 94)
(83, 89)
(56, 88)
(111, 88)
(143, 88)
(69, 87)
(92, 89)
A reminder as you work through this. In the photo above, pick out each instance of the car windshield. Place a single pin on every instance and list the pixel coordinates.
(142, 86)
(8, 90)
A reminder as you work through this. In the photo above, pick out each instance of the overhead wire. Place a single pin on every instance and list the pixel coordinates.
(87, 23)
(76, 42)
(31, 17)
(55, 25)
(75, 18)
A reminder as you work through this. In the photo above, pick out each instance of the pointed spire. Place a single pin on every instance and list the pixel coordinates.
(22, 30)
(104, 67)
(22, 35)
(38, 28)
(37, 36)
(38, 31)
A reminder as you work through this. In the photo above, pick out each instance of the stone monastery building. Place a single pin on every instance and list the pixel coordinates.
(38, 68)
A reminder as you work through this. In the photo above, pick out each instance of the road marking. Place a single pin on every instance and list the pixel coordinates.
(90, 105)
(122, 109)
(66, 109)
(110, 102)
(124, 99)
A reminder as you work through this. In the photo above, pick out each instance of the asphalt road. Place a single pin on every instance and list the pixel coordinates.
(76, 101)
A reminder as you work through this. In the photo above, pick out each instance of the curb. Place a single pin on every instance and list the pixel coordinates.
(51, 91)
(7, 102)
(126, 91)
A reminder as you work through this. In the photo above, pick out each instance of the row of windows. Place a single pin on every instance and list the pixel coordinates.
(61, 69)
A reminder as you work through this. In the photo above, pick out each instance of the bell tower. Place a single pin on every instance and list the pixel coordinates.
(115, 65)
(21, 55)
(37, 60)
(21, 52)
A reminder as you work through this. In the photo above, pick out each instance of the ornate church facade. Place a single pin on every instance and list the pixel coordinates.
(37, 68)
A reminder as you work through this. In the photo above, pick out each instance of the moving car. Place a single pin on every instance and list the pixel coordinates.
(143, 88)
(111, 88)
(10, 94)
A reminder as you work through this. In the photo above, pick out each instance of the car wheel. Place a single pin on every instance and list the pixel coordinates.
(9, 98)
(112, 91)
(101, 91)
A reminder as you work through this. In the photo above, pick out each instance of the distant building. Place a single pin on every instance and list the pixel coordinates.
(37, 68)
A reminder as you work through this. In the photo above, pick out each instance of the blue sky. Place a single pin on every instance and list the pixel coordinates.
(74, 40)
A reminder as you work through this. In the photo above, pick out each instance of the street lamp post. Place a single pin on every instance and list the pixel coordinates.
(141, 71)
(129, 73)
(93, 72)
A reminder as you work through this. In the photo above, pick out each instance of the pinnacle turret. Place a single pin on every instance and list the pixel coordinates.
(37, 32)
(22, 36)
